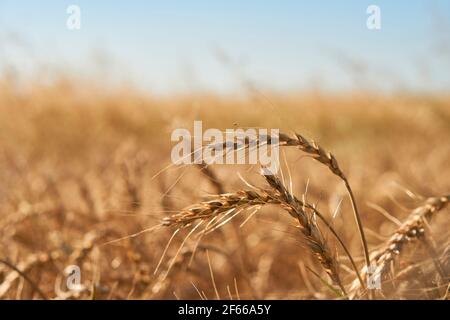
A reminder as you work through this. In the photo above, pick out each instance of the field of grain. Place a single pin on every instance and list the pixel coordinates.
(86, 181)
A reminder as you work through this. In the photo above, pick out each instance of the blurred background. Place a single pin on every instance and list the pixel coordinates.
(177, 46)
(86, 117)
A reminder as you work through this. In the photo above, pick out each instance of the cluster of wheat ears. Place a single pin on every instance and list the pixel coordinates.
(94, 213)
(210, 215)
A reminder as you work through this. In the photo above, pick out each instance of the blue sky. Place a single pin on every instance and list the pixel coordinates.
(173, 46)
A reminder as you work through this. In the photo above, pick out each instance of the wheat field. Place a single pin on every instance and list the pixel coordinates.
(87, 181)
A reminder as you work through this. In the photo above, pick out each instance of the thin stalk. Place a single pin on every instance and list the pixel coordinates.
(358, 223)
(32, 284)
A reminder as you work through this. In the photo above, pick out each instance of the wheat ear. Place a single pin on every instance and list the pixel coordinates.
(328, 159)
(227, 203)
(275, 183)
(309, 229)
(412, 229)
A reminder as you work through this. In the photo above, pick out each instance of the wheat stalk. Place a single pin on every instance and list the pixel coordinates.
(212, 177)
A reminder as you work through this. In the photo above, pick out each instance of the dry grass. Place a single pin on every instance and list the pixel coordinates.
(82, 183)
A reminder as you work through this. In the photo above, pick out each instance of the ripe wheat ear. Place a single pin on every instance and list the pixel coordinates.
(412, 229)
(327, 159)
(217, 209)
